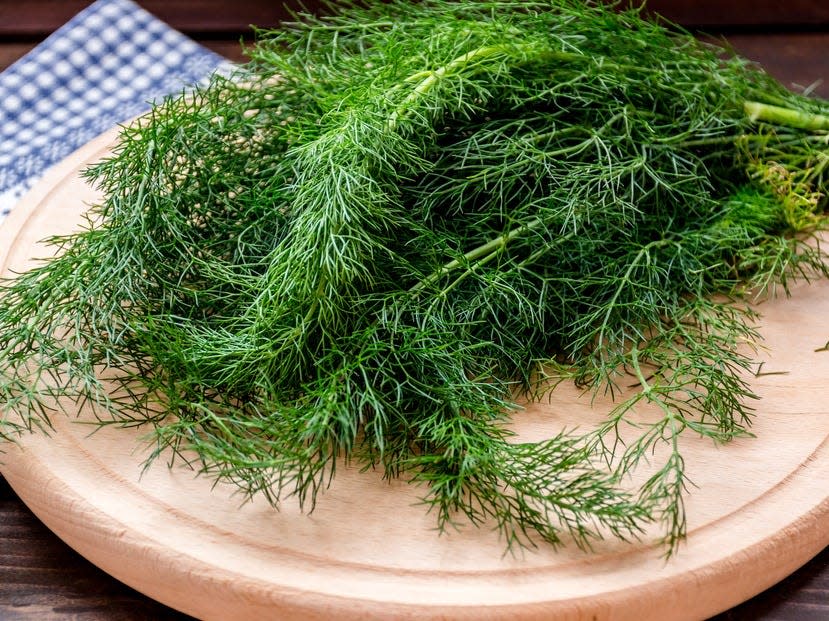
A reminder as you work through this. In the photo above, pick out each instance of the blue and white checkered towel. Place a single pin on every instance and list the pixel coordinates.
(101, 68)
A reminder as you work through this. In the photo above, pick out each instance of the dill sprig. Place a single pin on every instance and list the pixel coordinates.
(396, 223)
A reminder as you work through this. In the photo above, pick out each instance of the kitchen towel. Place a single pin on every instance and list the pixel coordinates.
(103, 67)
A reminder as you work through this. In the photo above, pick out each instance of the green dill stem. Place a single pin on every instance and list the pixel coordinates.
(790, 117)
(709, 142)
(625, 281)
(428, 79)
(479, 253)
(484, 260)
(145, 178)
(637, 369)
(341, 27)
(471, 269)
(431, 78)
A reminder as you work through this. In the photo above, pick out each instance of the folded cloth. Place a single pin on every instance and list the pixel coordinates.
(103, 67)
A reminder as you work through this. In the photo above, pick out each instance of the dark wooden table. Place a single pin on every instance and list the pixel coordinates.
(42, 578)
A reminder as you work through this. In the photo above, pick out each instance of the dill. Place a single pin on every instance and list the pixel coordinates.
(396, 222)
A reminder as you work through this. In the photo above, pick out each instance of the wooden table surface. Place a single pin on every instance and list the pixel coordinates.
(42, 578)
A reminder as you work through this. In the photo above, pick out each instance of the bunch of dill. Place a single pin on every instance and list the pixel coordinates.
(395, 222)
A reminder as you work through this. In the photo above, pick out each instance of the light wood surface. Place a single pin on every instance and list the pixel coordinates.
(760, 508)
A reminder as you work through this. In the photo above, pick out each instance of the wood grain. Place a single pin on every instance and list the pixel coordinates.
(760, 509)
(37, 18)
(43, 579)
(769, 14)
(798, 60)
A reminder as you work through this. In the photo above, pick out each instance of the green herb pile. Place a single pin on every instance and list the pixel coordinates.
(396, 223)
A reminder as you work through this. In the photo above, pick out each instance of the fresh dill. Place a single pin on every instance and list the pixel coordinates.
(396, 222)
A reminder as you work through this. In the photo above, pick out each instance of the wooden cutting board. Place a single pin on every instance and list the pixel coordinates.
(760, 508)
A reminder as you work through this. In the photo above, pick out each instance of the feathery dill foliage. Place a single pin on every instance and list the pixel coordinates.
(395, 222)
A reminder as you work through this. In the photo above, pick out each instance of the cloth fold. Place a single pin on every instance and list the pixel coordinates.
(103, 67)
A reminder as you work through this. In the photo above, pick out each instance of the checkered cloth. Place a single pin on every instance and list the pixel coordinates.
(101, 68)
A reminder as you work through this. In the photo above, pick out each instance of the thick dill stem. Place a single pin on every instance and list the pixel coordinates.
(476, 254)
(637, 369)
(789, 117)
(428, 79)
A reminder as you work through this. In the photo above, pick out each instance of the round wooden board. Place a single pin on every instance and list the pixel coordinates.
(759, 510)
